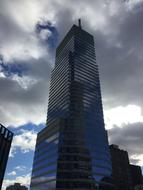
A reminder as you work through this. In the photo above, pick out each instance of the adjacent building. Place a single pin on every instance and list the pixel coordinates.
(138, 187)
(125, 175)
(17, 186)
(5, 143)
(72, 152)
(136, 175)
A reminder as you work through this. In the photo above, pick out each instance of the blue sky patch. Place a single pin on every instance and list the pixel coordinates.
(53, 38)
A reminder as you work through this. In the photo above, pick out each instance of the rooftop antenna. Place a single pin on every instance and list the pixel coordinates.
(79, 23)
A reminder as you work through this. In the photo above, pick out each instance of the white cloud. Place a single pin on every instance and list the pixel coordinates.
(17, 32)
(123, 115)
(23, 49)
(24, 81)
(20, 168)
(24, 141)
(25, 13)
(23, 180)
(2, 75)
(36, 114)
(137, 159)
(13, 173)
(45, 34)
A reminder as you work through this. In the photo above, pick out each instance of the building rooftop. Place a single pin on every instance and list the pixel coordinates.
(6, 132)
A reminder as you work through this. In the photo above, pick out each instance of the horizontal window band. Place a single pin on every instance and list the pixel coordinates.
(33, 184)
(45, 174)
(46, 156)
(44, 165)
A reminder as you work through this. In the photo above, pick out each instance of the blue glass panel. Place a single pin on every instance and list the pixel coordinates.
(46, 155)
(46, 161)
(45, 169)
(46, 147)
(47, 140)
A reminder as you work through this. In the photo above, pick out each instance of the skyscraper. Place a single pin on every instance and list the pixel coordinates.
(5, 143)
(72, 152)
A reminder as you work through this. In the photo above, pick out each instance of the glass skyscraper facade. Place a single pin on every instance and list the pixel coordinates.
(72, 152)
(6, 137)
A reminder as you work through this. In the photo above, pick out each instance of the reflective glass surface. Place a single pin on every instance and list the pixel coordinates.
(72, 151)
(45, 160)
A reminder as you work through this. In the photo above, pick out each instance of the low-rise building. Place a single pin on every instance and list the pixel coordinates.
(136, 175)
(16, 186)
(120, 168)
(138, 187)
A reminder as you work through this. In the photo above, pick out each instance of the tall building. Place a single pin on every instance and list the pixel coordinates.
(136, 175)
(72, 152)
(121, 168)
(16, 186)
(5, 143)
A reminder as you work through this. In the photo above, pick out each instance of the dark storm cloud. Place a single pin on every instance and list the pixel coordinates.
(120, 60)
(129, 138)
(9, 29)
(13, 39)
(25, 99)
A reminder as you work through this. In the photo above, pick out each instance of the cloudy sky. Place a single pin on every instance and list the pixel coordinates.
(30, 30)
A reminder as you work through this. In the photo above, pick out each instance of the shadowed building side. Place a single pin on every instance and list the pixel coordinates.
(74, 164)
(136, 175)
(6, 137)
(121, 168)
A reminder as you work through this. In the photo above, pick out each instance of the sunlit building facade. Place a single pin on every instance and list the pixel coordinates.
(72, 152)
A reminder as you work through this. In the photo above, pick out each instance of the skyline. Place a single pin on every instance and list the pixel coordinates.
(28, 57)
